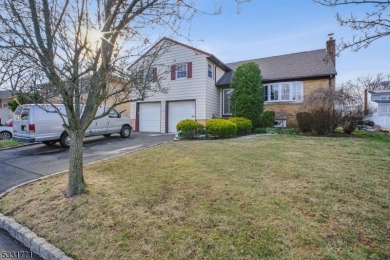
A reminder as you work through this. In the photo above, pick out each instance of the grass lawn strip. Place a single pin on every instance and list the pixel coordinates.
(277, 197)
(8, 143)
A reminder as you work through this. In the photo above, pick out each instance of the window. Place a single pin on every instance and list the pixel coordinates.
(280, 123)
(210, 70)
(181, 70)
(5, 105)
(274, 92)
(226, 101)
(297, 91)
(113, 114)
(284, 91)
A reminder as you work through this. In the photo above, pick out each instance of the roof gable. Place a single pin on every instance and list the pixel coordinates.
(209, 56)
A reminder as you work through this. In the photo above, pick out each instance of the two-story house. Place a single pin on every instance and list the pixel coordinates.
(382, 115)
(198, 85)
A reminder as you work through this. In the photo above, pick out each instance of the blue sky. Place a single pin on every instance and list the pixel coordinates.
(266, 28)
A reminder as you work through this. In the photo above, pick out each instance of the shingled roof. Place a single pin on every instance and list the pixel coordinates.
(308, 64)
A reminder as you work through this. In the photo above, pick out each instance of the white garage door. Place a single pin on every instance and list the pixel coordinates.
(149, 117)
(178, 111)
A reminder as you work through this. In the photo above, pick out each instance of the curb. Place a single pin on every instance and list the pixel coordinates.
(28, 238)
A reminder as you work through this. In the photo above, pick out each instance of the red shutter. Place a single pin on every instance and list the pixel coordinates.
(154, 74)
(189, 70)
(173, 72)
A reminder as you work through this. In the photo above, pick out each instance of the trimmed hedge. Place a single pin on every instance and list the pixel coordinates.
(189, 129)
(221, 128)
(267, 119)
(243, 124)
(276, 130)
(305, 121)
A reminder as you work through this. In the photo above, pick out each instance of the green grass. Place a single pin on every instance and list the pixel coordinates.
(8, 143)
(276, 197)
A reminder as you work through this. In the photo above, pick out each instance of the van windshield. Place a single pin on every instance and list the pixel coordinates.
(18, 112)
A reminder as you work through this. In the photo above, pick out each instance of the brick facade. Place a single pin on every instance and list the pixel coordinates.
(289, 110)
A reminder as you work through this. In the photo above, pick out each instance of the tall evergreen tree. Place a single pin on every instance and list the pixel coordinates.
(247, 99)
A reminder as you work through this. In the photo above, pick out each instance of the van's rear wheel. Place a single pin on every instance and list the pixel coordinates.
(125, 131)
(49, 143)
(65, 140)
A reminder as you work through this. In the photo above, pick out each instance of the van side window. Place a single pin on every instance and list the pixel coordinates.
(113, 114)
(25, 113)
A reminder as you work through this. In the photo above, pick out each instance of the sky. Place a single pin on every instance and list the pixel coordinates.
(264, 28)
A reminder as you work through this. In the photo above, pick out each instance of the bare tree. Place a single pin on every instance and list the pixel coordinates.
(331, 108)
(375, 24)
(357, 89)
(81, 51)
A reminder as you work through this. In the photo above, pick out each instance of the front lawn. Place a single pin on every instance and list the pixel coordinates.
(278, 197)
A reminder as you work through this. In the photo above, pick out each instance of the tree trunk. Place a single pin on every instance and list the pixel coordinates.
(76, 183)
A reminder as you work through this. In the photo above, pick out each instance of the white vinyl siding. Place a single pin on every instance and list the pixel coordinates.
(184, 89)
(283, 92)
(384, 110)
(213, 94)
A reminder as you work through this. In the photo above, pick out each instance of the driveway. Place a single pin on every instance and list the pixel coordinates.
(32, 162)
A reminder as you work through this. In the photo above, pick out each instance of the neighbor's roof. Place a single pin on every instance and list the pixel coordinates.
(382, 91)
(308, 64)
(5, 94)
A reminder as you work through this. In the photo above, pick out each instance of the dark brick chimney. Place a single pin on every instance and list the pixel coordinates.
(331, 48)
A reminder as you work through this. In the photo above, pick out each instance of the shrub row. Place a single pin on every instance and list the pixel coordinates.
(216, 128)
(221, 128)
(274, 130)
(190, 129)
(243, 124)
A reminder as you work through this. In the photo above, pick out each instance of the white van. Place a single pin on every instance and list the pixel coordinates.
(42, 123)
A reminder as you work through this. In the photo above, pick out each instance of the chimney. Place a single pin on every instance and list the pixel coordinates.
(331, 48)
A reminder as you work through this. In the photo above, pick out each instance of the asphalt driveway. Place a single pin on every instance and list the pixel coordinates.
(27, 163)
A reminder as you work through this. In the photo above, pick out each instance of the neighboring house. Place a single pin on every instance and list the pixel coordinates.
(5, 112)
(199, 85)
(382, 115)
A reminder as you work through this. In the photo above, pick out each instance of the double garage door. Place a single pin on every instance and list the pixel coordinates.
(150, 115)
